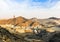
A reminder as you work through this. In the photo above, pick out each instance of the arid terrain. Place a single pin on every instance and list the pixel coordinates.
(20, 29)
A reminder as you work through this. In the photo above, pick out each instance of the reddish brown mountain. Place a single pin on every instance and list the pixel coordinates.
(17, 20)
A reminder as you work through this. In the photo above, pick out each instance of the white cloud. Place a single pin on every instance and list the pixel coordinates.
(9, 8)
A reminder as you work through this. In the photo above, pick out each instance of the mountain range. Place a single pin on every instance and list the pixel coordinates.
(21, 21)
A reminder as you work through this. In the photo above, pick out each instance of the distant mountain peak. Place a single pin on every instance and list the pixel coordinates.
(53, 18)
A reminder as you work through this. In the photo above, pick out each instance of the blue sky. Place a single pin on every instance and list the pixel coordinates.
(30, 8)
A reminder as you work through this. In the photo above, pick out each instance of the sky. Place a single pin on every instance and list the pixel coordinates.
(30, 8)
